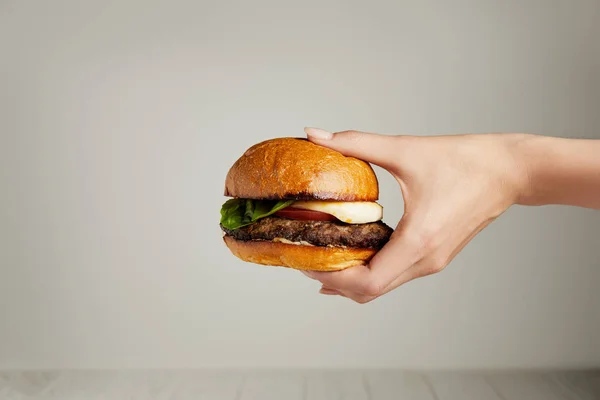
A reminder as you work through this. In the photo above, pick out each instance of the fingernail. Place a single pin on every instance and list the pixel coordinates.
(329, 292)
(317, 133)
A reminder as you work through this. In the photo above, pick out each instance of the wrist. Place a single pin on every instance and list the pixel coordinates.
(519, 167)
(528, 160)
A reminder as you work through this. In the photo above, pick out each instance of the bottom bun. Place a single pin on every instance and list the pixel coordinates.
(298, 256)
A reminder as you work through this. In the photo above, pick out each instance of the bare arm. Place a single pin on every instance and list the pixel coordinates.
(561, 171)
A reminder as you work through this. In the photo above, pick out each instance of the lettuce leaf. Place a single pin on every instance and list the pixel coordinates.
(236, 213)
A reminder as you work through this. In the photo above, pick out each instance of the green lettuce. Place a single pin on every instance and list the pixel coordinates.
(236, 213)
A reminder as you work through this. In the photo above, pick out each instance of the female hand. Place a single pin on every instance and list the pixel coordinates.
(453, 187)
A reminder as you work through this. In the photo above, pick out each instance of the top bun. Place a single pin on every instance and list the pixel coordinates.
(296, 169)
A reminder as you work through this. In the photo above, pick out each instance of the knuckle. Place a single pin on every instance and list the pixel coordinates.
(372, 287)
(361, 298)
(352, 136)
(431, 243)
(435, 264)
(430, 238)
(422, 241)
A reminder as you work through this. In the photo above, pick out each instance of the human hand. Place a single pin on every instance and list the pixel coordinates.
(453, 187)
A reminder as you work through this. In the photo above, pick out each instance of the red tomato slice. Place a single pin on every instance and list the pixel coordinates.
(305, 215)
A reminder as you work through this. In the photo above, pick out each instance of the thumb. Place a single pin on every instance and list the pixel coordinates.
(370, 147)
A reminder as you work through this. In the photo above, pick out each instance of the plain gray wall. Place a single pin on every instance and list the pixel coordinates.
(119, 120)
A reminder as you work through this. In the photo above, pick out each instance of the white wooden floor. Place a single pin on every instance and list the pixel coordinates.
(299, 385)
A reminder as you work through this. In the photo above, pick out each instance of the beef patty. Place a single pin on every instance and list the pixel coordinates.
(319, 233)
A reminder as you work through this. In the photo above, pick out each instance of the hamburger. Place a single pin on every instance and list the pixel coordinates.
(299, 205)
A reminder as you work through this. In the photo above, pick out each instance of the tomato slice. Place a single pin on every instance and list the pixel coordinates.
(305, 215)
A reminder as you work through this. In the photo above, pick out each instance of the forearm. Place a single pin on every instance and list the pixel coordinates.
(560, 171)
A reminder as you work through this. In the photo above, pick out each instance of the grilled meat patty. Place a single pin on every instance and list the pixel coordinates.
(319, 233)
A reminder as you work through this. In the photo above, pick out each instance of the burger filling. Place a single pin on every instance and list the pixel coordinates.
(319, 233)
(318, 223)
(352, 212)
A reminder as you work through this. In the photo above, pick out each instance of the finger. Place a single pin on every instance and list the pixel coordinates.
(406, 248)
(370, 147)
(418, 270)
(345, 280)
(360, 298)
(433, 262)
(410, 274)
(398, 255)
(329, 291)
(307, 273)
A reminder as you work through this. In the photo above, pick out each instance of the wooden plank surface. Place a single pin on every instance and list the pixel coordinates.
(526, 386)
(394, 385)
(456, 386)
(298, 385)
(333, 385)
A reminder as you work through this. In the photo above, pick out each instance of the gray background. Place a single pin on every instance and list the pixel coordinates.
(119, 120)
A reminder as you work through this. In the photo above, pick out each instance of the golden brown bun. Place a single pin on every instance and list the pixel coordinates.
(294, 168)
(314, 258)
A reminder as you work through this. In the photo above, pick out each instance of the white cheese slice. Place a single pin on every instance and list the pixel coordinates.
(351, 212)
